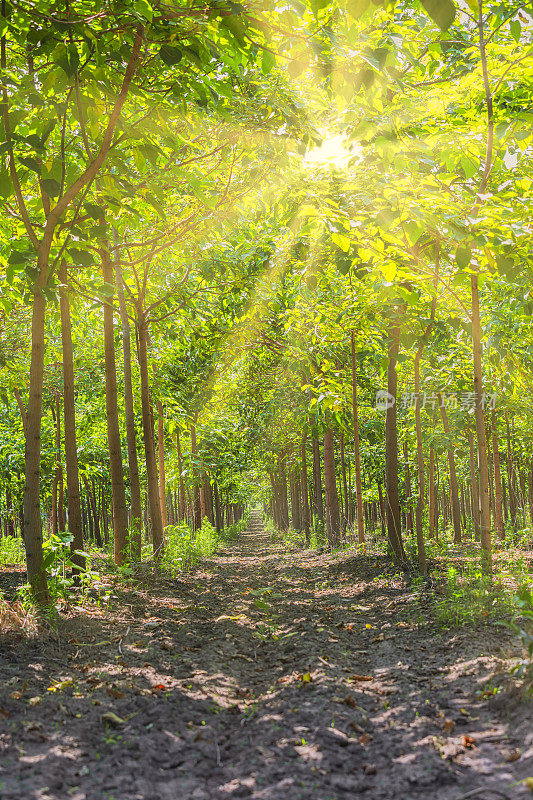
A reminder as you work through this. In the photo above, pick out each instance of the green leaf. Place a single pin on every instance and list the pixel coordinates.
(233, 23)
(6, 185)
(94, 211)
(463, 257)
(357, 8)
(343, 242)
(516, 30)
(51, 187)
(268, 62)
(144, 9)
(170, 55)
(442, 12)
(81, 257)
(30, 163)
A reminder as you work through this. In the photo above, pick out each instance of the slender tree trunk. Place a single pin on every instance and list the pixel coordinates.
(382, 511)
(431, 493)
(120, 509)
(97, 534)
(218, 514)
(357, 453)
(71, 447)
(284, 501)
(131, 435)
(510, 476)
(474, 486)
(484, 520)
(197, 508)
(149, 444)
(498, 511)
(182, 500)
(391, 452)
(318, 504)
(295, 498)
(33, 535)
(454, 490)
(330, 485)
(344, 482)
(161, 454)
(409, 509)
(305, 497)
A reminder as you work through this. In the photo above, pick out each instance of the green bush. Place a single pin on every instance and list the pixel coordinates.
(184, 548)
(11, 551)
(522, 624)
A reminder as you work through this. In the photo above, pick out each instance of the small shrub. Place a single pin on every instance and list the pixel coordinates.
(11, 551)
(522, 624)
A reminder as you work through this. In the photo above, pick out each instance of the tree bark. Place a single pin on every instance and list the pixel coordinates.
(318, 504)
(120, 509)
(161, 456)
(391, 451)
(131, 435)
(330, 486)
(149, 444)
(498, 510)
(484, 519)
(69, 409)
(304, 491)
(357, 453)
(473, 485)
(454, 489)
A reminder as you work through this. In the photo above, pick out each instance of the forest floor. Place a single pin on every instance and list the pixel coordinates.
(265, 673)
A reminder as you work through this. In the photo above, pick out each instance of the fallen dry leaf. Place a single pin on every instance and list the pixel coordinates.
(113, 719)
(365, 738)
(448, 725)
(356, 677)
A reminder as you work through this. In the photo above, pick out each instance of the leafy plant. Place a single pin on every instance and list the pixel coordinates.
(522, 624)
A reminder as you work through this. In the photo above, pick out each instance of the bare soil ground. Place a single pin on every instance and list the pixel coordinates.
(337, 684)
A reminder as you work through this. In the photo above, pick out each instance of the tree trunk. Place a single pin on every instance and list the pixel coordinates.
(330, 485)
(344, 482)
(318, 504)
(131, 435)
(391, 452)
(295, 498)
(305, 497)
(498, 510)
(197, 508)
(161, 455)
(218, 514)
(120, 509)
(69, 408)
(182, 500)
(283, 499)
(357, 454)
(431, 492)
(33, 535)
(454, 490)
(484, 519)
(408, 509)
(510, 477)
(474, 485)
(149, 444)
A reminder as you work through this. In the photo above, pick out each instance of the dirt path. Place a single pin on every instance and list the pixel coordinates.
(335, 684)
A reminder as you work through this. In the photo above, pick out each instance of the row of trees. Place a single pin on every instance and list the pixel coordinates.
(156, 188)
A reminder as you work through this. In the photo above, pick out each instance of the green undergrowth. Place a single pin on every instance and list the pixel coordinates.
(11, 551)
(184, 549)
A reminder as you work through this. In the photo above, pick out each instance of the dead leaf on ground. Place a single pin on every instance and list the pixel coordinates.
(448, 725)
(113, 719)
(366, 738)
(356, 677)
(512, 755)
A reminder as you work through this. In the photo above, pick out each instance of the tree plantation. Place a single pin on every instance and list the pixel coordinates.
(266, 399)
